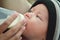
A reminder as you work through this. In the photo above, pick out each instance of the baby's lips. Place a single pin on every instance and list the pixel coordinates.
(25, 21)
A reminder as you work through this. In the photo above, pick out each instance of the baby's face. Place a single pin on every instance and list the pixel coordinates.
(37, 22)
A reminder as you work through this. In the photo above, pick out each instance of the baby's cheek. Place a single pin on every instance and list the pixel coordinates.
(32, 30)
(35, 28)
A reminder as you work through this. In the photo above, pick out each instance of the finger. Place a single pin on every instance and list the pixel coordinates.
(16, 38)
(15, 29)
(20, 31)
(7, 22)
(18, 35)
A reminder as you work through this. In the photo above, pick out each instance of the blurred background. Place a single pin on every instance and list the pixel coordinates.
(31, 1)
(21, 6)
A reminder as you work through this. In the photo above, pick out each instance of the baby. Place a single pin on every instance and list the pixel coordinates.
(37, 23)
(42, 22)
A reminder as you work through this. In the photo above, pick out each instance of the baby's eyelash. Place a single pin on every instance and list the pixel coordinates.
(38, 17)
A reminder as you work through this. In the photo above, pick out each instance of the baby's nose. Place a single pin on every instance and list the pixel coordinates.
(29, 15)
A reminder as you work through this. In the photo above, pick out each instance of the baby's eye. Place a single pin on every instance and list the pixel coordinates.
(38, 17)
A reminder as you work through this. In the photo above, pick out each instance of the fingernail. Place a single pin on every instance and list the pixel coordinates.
(24, 20)
(23, 27)
(20, 38)
(24, 23)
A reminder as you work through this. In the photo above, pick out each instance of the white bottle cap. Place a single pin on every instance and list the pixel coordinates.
(19, 18)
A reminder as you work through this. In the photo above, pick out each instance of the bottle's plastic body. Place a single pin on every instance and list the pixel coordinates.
(4, 15)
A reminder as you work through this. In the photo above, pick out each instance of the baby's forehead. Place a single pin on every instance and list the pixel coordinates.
(40, 8)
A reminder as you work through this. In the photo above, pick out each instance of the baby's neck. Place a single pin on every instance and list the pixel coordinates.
(34, 39)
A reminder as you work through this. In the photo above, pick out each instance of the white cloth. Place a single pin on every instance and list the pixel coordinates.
(57, 30)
